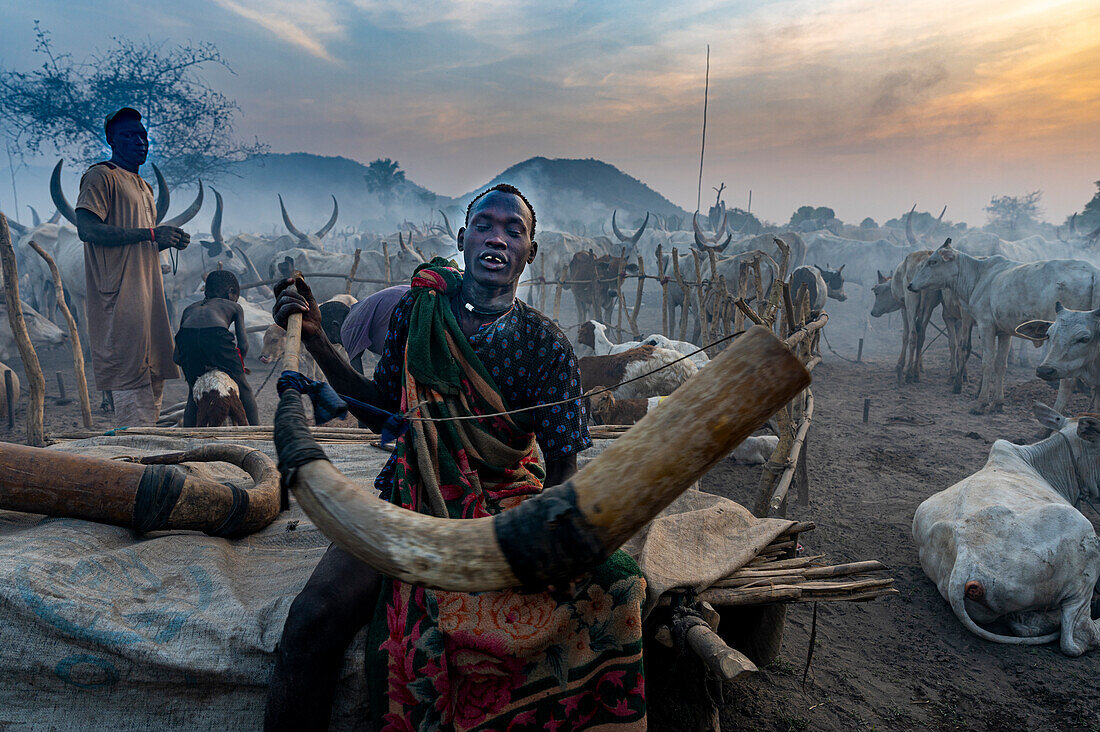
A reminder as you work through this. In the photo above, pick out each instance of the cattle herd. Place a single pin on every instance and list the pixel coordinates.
(970, 536)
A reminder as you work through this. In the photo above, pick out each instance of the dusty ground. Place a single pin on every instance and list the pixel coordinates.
(900, 663)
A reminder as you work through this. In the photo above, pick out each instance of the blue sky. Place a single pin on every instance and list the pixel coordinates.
(867, 106)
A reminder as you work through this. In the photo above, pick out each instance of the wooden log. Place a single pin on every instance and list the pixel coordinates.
(36, 387)
(141, 496)
(9, 393)
(724, 661)
(74, 337)
(784, 482)
(354, 269)
(771, 563)
(755, 596)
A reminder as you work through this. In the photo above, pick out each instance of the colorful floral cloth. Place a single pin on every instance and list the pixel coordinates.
(493, 660)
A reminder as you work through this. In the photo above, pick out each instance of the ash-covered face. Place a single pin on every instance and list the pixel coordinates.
(937, 272)
(129, 142)
(496, 243)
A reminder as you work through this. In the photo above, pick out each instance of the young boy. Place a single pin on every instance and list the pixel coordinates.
(204, 341)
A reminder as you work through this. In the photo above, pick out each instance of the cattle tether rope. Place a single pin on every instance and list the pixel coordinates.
(409, 414)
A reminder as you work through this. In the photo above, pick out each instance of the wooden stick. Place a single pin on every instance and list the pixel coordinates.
(686, 304)
(36, 398)
(727, 598)
(664, 291)
(62, 399)
(74, 337)
(792, 459)
(704, 326)
(619, 291)
(354, 269)
(637, 299)
(769, 563)
(557, 293)
(748, 311)
(386, 258)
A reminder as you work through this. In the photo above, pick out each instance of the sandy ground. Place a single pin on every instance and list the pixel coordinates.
(900, 663)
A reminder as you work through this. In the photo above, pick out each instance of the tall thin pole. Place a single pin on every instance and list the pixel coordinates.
(703, 148)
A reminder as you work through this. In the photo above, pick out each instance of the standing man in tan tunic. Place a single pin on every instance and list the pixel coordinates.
(131, 337)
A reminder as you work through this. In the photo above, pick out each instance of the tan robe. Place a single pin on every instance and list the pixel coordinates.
(127, 318)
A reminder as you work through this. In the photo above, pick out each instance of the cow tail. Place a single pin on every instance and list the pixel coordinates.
(956, 595)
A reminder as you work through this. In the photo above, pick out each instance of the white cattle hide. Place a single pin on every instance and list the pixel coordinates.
(1007, 543)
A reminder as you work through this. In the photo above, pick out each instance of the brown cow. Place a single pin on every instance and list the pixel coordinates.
(614, 369)
(593, 281)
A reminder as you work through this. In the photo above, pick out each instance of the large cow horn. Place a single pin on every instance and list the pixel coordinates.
(189, 213)
(940, 219)
(565, 531)
(331, 221)
(700, 238)
(447, 225)
(638, 234)
(152, 496)
(58, 195)
(615, 227)
(164, 197)
(288, 223)
(909, 228)
(36, 220)
(216, 222)
(17, 227)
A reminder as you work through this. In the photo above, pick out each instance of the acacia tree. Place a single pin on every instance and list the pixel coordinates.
(1008, 214)
(60, 106)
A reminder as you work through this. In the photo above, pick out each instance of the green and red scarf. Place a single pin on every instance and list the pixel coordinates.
(502, 660)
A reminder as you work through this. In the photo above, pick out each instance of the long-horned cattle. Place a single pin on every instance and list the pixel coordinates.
(1000, 294)
(1073, 352)
(1006, 543)
(892, 294)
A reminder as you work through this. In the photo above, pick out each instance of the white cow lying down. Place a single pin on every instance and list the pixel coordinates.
(1007, 543)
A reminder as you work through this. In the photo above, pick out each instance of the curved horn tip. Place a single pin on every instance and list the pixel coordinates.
(286, 220)
(189, 213)
(164, 196)
(58, 194)
(331, 221)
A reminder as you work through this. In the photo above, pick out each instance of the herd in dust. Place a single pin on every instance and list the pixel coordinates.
(1006, 547)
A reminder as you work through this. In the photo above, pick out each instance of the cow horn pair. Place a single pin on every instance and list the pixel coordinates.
(407, 246)
(910, 236)
(560, 534)
(154, 494)
(320, 232)
(633, 239)
(708, 244)
(163, 200)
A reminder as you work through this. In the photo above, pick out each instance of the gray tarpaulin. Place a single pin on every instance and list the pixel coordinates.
(101, 628)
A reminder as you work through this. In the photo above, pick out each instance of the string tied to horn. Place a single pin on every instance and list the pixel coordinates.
(329, 405)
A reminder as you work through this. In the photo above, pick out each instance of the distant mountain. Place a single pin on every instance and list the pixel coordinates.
(568, 194)
(567, 191)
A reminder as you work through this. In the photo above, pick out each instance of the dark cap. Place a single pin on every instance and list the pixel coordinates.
(120, 115)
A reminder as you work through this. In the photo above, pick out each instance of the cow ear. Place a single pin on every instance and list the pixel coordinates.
(1088, 428)
(1047, 416)
(947, 253)
(881, 279)
(840, 269)
(1034, 330)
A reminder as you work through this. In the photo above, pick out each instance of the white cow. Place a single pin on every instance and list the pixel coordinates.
(1074, 348)
(41, 330)
(1007, 543)
(1000, 294)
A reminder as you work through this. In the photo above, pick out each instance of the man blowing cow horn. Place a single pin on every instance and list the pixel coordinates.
(473, 653)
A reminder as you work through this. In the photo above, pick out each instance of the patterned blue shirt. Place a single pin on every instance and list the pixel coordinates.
(529, 358)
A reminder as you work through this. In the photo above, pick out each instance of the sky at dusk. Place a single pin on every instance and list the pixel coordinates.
(868, 106)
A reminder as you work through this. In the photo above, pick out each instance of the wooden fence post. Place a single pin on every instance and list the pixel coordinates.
(36, 432)
(685, 305)
(386, 257)
(354, 269)
(557, 293)
(74, 337)
(664, 291)
(704, 327)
